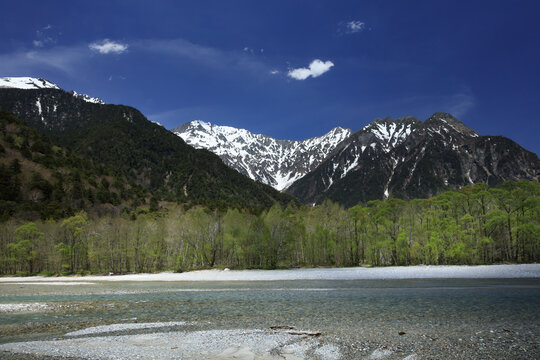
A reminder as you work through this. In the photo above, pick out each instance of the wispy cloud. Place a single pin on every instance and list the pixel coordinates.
(107, 46)
(316, 69)
(64, 59)
(44, 37)
(458, 103)
(208, 56)
(253, 51)
(70, 59)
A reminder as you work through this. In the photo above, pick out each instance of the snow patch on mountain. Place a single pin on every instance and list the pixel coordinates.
(389, 133)
(277, 163)
(40, 111)
(26, 83)
(87, 98)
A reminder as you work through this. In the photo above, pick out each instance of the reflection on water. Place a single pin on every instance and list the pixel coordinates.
(336, 307)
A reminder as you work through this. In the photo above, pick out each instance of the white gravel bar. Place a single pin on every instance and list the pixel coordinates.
(59, 283)
(209, 344)
(124, 326)
(29, 307)
(356, 273)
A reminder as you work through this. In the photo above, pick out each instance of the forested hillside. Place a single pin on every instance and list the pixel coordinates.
(475, 225)
(121, 138)
(39, 179)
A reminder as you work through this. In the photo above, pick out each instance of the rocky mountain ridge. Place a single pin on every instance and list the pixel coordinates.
(409, 158)
(278, 163)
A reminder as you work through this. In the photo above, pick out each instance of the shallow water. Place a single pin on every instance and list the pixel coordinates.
(434, 314)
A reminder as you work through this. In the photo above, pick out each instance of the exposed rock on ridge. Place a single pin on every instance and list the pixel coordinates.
(409, 158)
(278, 163)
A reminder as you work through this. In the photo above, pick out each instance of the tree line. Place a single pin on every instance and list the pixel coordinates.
(473, 225)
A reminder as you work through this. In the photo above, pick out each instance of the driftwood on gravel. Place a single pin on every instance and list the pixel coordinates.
(308, 333)
(279, 327)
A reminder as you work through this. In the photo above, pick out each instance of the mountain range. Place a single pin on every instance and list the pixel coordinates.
(402, 157)
(122, 139)
(408, 158)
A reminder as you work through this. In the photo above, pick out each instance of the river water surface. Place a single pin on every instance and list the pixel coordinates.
(406, 318)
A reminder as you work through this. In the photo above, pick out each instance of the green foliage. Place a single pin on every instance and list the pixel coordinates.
(23, 248)
(73, 248)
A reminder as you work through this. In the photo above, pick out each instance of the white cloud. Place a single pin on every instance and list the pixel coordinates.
(107, 46)
(316, 68)
(38, 43)
(355, 26)
(274, 72)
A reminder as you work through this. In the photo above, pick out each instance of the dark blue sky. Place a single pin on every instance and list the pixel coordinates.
(232, 62)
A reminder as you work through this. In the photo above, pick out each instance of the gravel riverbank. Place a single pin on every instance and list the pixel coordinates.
(267, 344)
(355, 273)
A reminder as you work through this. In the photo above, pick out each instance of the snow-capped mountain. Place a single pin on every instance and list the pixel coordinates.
(406, 157)
(278, 163)
(44, 104)
(26, 83)
(29, 83)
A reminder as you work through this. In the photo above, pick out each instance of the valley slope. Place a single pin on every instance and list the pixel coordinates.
(120, 137)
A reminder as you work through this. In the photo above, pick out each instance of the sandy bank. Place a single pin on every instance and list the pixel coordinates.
(357, 273)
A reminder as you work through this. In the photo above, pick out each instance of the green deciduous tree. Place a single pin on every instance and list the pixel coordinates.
(23, 249)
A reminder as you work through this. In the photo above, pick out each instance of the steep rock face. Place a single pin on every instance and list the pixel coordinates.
(409, 158)
(121, 138)
(277, 163)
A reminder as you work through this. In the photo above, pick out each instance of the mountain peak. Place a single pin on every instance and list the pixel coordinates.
(26, 83)
(30, 83)
(442, 119)
(200, 123)
(389, 120)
